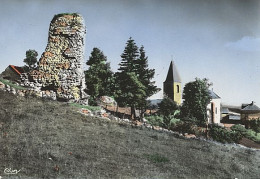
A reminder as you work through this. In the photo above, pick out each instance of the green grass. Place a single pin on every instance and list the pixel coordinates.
(11, 84)
(91, 108)
(37, 135)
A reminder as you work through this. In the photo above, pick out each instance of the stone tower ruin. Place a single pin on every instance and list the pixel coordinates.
(60, 66)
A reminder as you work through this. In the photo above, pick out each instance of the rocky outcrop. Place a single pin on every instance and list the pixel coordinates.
(60, 66)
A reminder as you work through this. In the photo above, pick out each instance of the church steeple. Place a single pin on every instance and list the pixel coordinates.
(173, 75)
(172, 84)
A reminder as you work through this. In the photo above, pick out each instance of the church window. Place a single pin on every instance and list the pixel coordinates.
(178, 88)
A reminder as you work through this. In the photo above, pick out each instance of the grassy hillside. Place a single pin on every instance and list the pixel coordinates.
(48, 139)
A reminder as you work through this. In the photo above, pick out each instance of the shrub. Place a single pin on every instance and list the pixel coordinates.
(254, 124)
(247, 133)
(167, 107)
(162, 121)
(222, 135)
(189, 127)
(154, 120)
(182, 127)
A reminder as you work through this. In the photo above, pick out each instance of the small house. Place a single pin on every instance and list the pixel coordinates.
(12, 73)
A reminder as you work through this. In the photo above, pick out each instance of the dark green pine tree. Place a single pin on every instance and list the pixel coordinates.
(129, 57)
(129, 89)
(99, 77)
(134, 83)
(145, 75)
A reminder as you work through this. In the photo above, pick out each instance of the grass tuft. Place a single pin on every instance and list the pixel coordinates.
(156, 158)
(91, 108)
(11, 84)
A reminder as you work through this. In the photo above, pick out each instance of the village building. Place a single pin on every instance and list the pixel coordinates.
(230, 114)
(214, 108)
(249, 112)
(12, 73)
(172, 85)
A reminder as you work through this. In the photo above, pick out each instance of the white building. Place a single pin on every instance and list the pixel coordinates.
(213, 109)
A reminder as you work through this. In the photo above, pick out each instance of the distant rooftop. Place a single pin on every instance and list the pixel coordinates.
(224, 110)
(250, 107)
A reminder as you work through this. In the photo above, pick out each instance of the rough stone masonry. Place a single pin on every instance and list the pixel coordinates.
(60, 66)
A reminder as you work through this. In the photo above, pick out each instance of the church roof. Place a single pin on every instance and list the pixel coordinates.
(213, 95)
(173, 75)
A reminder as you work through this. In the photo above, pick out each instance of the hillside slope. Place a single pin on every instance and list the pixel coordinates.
(48, 139)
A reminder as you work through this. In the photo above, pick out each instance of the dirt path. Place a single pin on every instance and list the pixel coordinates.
(249, 143)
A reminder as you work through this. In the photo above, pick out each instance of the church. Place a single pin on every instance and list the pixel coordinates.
(172, 87)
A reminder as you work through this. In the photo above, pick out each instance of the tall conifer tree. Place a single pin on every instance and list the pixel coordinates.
(99, 77)
(134, 78)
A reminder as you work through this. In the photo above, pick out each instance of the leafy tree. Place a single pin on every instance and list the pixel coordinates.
(99, 77)
(31, 58)
(196, 98)
(134, 83)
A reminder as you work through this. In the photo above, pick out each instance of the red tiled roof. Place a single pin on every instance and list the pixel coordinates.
(18, 70)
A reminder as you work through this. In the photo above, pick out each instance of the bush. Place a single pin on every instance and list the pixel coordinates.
(222, 135)
(154, 120)
(182, 127)
(247, 133)
(189, 127)
(254, 124)
(162, 121)
(167, 107)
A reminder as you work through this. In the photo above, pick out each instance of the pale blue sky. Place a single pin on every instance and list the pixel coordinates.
(216, 39)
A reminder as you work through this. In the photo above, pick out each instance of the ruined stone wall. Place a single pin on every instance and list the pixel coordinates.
(60, 66)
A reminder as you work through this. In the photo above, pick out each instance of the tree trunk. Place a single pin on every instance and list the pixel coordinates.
(142, 111)
(133, 116)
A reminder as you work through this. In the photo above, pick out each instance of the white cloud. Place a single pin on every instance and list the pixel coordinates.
(247, 43)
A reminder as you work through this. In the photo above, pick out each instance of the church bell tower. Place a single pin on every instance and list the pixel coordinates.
(172, 84)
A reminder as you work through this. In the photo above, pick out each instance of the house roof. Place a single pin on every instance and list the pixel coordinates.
(173, 74)
(250, 107)
(234, 117)
(17, 69)
(155, 101)
(213, 95)
(224, 110)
